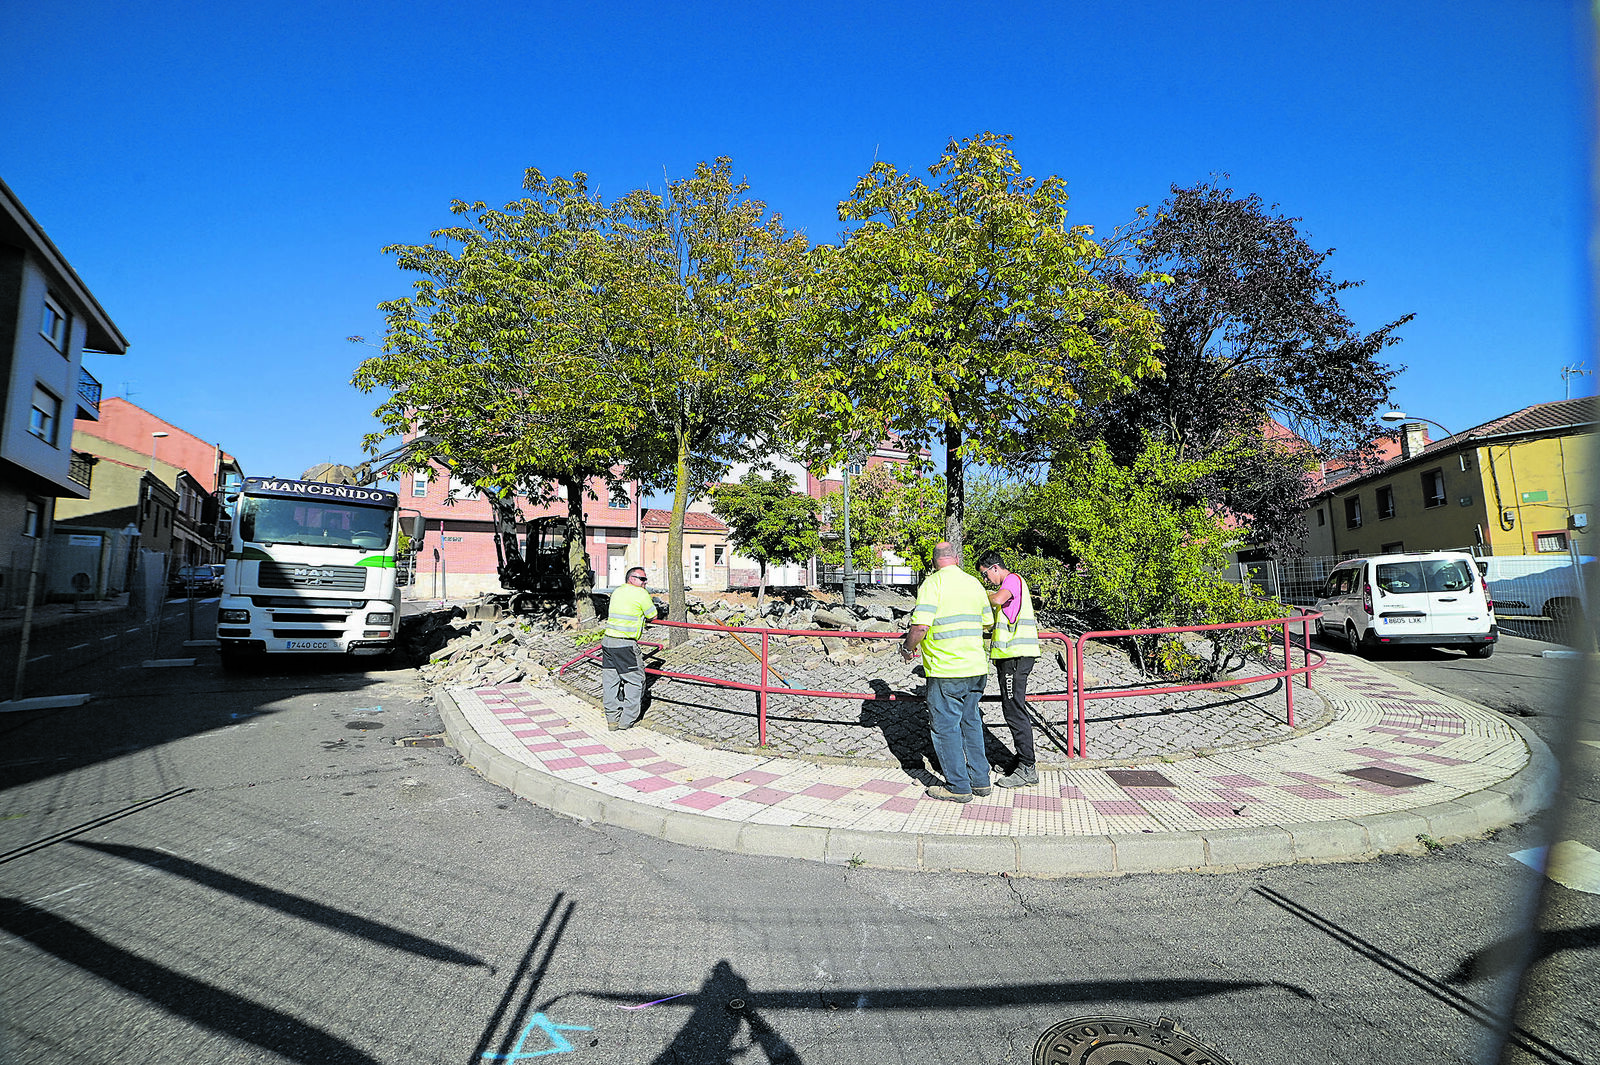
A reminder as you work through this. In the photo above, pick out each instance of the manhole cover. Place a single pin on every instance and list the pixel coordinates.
(420, 741)
(1121, 1041)
(1139, 778)
(1387, 777)
(364, 726)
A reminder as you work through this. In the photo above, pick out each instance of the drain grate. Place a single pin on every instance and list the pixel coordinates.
(1386, 777)
(1139, 778)
(420, 741)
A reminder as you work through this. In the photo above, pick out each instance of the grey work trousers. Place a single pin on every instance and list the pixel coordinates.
(621, 680)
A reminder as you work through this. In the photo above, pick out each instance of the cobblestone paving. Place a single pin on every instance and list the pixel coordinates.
(891, 726)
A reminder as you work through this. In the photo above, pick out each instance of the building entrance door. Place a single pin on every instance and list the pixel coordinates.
(616, 566)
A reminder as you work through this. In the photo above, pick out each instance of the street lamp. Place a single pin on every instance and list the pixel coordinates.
(153, 438)
(1402, 416)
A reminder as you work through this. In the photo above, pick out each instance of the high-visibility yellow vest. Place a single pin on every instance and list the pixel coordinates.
(955, 608)
(631, 607)
(1019, 640)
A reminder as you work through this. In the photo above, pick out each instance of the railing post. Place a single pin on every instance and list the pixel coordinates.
(761, 715)
(1288, 678)
(1305, 643)
(1077, 663)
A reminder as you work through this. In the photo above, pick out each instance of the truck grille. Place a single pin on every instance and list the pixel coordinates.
(333, 578)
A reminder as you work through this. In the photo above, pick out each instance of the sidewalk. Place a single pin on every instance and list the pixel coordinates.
(1429, 766)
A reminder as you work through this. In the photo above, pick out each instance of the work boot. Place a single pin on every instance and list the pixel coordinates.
(1020, 777)
(983, 792)
(939, 791)
(612, 726)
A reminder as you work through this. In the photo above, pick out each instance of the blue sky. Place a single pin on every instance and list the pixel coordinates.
(224, 177)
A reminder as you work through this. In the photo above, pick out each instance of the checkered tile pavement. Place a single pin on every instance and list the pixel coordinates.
(1381, 722)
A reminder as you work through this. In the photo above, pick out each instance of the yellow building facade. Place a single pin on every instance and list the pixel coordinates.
(1518, 485)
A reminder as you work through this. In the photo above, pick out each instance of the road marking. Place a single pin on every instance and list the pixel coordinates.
(37, 658)
(130, 631)
(1591, 743)
(113, 636)
(78, 647)
(1570, 864)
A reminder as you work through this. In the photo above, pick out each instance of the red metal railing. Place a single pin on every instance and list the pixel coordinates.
(1287, 674)
(1073, 651)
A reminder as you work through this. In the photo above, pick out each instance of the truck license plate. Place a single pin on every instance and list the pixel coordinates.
(308, 645)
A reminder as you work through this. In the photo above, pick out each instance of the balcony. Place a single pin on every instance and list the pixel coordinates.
(81, 470)
(88, 395)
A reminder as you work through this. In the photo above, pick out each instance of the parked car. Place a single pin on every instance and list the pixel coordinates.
(1535, 585)
(196, 580)
(1434, 598)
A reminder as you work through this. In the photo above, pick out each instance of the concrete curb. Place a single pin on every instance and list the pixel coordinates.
(1513, 800)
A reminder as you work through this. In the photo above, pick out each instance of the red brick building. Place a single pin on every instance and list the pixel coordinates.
(458, 556)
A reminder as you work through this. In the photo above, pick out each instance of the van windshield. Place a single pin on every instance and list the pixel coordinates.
(1436, 575)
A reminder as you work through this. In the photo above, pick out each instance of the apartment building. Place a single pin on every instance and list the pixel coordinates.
(1517, 485)
(48, 319)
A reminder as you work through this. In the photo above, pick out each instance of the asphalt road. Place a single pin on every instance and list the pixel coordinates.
(1550, 688)
(200, 867)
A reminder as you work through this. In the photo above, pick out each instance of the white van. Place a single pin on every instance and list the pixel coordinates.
(1433, 598)
(1535, 585)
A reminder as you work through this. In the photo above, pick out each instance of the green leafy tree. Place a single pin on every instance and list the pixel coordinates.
(892, 508)
(965, 311)
(1148, 552)
(490, 356)
(767, 521)
(1252, 330)
(691, 334)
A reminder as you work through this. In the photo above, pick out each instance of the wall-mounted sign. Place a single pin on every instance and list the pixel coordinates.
(452, 539)
(1535, 497)
(83, 541)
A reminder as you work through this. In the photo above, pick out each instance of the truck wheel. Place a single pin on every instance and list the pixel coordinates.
(1479, 650)
(235, 660)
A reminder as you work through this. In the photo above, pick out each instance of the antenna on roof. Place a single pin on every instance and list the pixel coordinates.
(126, 391)
(1569, 372)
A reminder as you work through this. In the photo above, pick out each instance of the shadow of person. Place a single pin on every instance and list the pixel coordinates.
(903, 720)
(711, 1034)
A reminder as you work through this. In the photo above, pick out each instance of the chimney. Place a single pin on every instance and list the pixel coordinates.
(1413, 439)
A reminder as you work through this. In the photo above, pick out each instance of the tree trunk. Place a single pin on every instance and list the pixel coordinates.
(761, 593)
(677, 602)
(578, 558)
(955, 479)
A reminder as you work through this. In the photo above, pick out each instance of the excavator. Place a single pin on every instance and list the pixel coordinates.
(532, 566)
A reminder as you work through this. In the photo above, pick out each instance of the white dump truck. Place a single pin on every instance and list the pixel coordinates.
(310, 569)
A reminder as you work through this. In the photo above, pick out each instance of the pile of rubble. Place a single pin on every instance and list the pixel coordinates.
(457, 647)
(479, 644)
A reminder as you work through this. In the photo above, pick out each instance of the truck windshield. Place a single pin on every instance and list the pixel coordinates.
(313, 523)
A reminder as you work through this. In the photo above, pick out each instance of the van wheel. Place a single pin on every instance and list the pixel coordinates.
(1561, 610)
(1479, 650)
(1350, 637)
(1369, 644)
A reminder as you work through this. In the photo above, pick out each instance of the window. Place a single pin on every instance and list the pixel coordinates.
(619, 499)
(46, 415)
(419, 485)
(30, 519)
(1322, 519)
(1385, 503)
(56, 325)
(1433, 488)
(460, 489)
(718, 554)
(1352, 512)
(1396, 548)
(1550, 541)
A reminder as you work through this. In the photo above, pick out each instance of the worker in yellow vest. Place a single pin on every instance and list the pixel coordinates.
(1014, 648)
(947, 628)
(621, 667)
